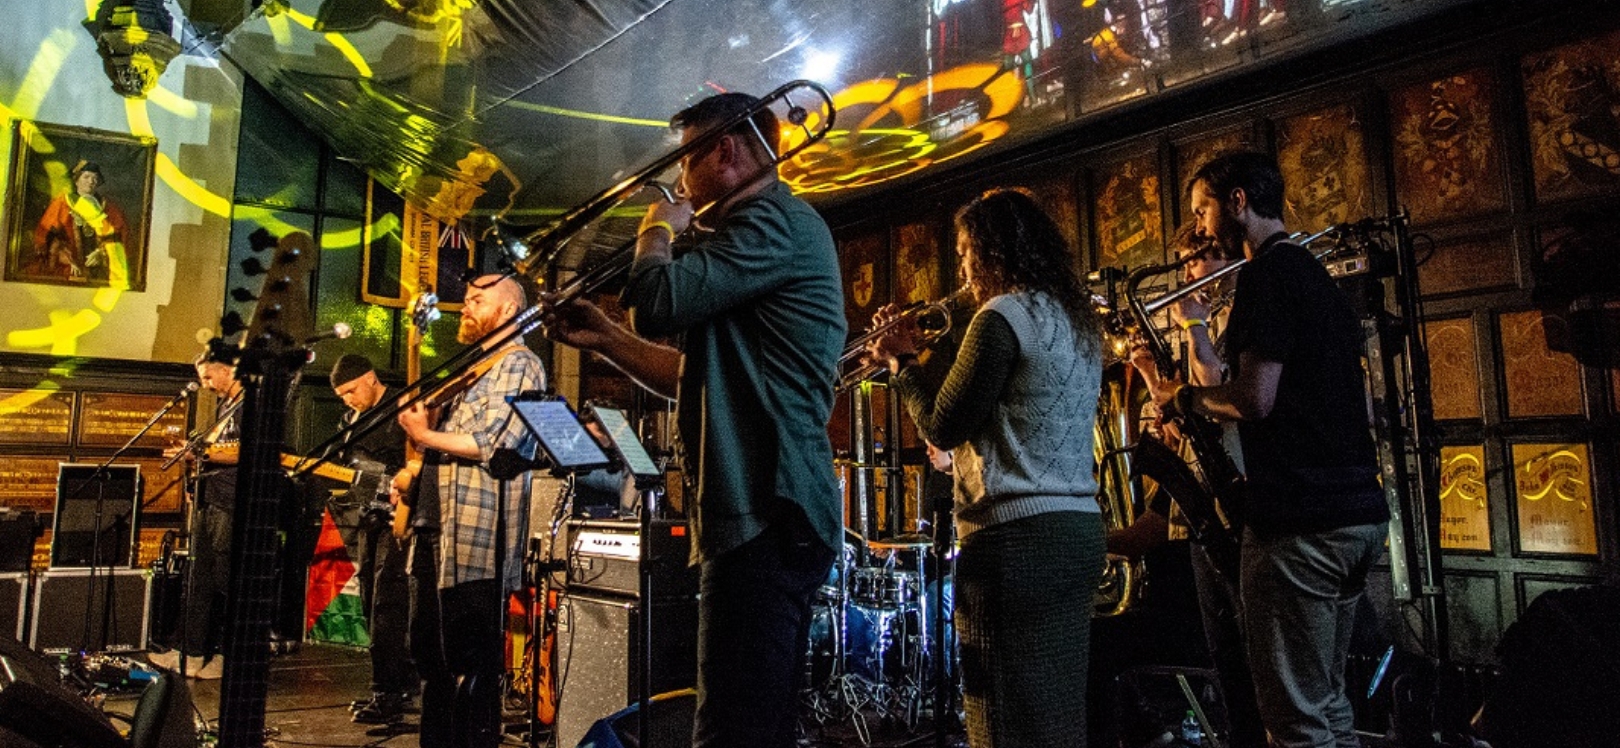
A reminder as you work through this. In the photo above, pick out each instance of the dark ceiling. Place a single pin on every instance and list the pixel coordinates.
(524, 108)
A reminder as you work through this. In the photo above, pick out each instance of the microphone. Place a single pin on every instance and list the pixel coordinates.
(184, 391)
(340, 331)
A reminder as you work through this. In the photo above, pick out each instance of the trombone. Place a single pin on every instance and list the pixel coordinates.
(814, 121)
(933, 320)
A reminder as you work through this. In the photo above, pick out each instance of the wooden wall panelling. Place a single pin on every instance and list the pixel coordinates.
(864, 259)
(1454, 364)
(1540, 380)
(1572, 98)
(1468, 264)
(1474, 605)
(36, 417)
(1191, 153)
(1530, 586)
(1447, 147)
(29, 482)
(1129, 214)
(1323, 157)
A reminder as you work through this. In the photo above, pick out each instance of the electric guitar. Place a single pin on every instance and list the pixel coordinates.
(423, 311)
(363, 482)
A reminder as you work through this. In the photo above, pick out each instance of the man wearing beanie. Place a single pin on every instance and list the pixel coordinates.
(380, 563)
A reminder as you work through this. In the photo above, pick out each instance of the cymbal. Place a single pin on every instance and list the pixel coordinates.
(910, 540)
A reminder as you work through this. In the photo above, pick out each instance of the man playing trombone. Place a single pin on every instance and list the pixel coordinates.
(1202, 319)
(757, 308)
(1315, 516)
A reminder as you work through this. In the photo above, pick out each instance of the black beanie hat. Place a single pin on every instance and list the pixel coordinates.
(349, 367)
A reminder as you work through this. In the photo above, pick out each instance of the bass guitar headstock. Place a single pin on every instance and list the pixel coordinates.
(281, 316)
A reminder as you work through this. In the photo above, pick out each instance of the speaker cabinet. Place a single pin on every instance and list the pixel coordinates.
(69, 605)
(96, 521)
(13, 601)
(35, 709)
(599, 657)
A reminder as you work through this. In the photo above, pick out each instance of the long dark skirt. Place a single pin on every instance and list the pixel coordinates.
(1023, 614)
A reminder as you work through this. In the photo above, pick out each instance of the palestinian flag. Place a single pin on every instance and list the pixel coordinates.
(333, 611)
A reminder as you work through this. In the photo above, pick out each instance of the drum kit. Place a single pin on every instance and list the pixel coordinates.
(877, 629)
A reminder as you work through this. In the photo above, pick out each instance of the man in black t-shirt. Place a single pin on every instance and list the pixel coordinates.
(380, 562)
(1316, 516)
(203, 629)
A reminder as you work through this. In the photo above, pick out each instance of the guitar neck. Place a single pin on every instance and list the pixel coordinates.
(325, 470)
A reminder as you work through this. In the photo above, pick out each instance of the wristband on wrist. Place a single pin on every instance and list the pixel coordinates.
(1191, 322)
(658, 225)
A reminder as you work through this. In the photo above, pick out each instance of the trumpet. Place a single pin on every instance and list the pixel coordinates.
(933, 320)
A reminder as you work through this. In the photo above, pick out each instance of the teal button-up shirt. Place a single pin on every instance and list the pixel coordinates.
(759, 308)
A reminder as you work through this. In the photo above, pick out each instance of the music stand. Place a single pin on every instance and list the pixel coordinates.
(625, 445)
(571, 450)
(562, 438)
(629, 451)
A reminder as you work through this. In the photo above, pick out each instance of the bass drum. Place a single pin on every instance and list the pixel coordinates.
(1124, 413)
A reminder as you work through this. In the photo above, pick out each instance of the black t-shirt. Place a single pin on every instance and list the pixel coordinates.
(218, 478)
(1311, 464)
(384, 444)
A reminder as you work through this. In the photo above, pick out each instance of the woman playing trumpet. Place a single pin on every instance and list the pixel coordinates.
(1017, 410)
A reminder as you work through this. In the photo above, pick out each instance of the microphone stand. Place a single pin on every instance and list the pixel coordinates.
(100, 476)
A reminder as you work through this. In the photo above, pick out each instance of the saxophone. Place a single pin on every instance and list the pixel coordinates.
(1217, 485)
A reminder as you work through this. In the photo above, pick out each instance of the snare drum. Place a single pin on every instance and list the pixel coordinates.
(883, 588)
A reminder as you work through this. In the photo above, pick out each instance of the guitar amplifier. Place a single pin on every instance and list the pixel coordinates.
(604, 556)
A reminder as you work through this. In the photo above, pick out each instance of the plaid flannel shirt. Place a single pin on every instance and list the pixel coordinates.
(468, 494)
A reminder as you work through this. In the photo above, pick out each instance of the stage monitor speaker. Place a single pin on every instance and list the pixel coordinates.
(35, 705)
(68, 606)
(671, 725)
(13, 603)
(96, 516)
(599, 657)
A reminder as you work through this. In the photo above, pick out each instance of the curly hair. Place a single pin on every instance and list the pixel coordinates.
(1013, 245)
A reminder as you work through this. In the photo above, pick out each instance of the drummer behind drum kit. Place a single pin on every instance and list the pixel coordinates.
(874, 633)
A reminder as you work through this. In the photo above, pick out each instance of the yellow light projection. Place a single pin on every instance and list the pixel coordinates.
(892, 137)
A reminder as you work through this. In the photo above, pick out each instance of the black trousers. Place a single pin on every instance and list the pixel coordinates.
(754, 619)
(385, 592)
(210, 579)
(458, 642)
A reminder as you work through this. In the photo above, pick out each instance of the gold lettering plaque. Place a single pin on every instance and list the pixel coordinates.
(151, 545)
(110, 419)
(1465, 512)
(1540, 380)
(35, 416)
(29, 483)
(162, 489)
(1455, 370)
(1555, 498)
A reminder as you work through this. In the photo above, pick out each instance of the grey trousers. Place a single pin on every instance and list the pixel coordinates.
(1299, 601)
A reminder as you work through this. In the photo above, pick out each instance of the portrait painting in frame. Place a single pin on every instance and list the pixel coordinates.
(79, 206)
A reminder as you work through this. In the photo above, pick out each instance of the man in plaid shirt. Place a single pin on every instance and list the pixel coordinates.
(461, 695)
